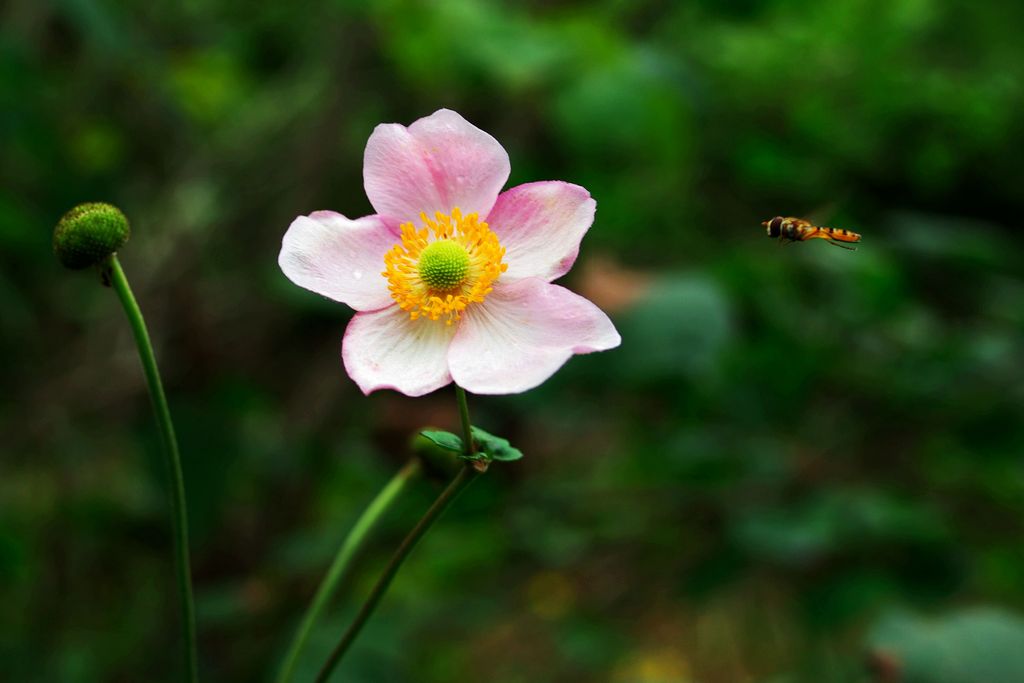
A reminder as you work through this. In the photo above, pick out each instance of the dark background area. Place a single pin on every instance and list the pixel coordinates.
(792, 445)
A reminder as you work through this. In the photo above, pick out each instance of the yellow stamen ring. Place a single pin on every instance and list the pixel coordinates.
(438, 277)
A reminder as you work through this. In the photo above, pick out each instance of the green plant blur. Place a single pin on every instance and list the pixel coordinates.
(791, 446)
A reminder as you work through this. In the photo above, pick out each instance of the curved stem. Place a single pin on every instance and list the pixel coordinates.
(339, 568)
(173, 462)
(461, 481)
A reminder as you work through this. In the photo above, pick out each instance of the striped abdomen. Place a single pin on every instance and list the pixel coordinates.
(790, 229)
(837, 234)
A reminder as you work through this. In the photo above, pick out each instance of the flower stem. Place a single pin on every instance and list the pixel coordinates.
(464, 478)
(467, 432)
(461, 481)
(173, 462)
(339, 568)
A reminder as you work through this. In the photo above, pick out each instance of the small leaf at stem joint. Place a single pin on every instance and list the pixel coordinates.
(445, 440)
(495, 447)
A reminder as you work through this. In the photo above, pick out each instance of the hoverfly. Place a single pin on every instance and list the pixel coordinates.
(789, 229)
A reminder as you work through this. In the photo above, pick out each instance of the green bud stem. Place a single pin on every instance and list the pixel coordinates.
(361, 530)
(173, 462)
(469, 472)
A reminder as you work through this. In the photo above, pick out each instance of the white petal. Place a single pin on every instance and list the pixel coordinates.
(541, 225)
(439, 162)
(386, 350)
(522, 333)
(339, 258)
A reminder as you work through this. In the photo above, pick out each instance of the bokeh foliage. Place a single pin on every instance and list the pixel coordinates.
(790, 443)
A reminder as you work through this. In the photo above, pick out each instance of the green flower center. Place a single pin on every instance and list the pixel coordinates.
(443, 265)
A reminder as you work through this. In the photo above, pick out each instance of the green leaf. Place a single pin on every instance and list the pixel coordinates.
(489, 447)
(445, 440)
(495, 447)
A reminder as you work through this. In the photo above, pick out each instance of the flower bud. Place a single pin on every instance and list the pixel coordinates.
(88, 234)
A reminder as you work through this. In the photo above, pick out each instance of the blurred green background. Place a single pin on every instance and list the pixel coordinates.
(800, 463)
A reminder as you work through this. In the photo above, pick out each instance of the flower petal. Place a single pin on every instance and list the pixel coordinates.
(541, 225)
(386, 350)
(339, 258)
(439, 162)
(522, 333)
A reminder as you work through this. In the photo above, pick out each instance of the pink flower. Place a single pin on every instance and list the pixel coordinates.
(451, 280)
